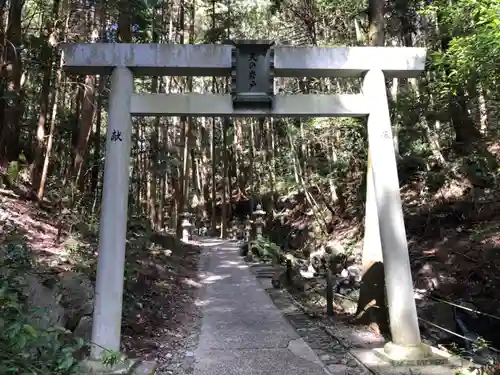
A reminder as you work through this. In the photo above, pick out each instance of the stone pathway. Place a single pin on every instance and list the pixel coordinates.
(242, 331)
(334, 356)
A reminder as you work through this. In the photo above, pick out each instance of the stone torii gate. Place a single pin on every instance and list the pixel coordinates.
(252, 66)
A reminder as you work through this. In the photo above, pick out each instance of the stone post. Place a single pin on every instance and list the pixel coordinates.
(241, 230)
(405, 331)
(259, 223)
(329, 290)
(248, 230)
(230, 229)
(186, 226)
(106, 328)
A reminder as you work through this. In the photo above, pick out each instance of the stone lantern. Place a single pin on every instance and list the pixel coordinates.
(247, 232)
(259, 214)
(186, 226)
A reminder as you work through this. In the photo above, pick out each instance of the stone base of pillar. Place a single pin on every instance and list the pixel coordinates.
(127, 367)
(421, 355)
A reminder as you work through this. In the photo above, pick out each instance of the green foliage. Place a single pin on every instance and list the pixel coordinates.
(266, 250)
(14, 169)
(111, 358)
(13, 172)
(490, 370)
(473, 51)
(25, 349)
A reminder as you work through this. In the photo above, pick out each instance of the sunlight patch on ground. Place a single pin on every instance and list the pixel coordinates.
(201, 302)
(233, 264)
(191, 282)
(213, 278)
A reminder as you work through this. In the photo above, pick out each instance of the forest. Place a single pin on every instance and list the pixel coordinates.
(309, 175)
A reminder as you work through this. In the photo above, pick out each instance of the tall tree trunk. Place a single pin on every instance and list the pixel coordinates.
(214, 177)
(53, 123)
(12, 68)
(204, 166)
(376, 28)
(184, 133)
(238, 156)
(97, 141)
(153, 163)
(252, 164)
(3, 66)
(124, 21)
(225, 183)
(85, 127)
(271, 162)
(96, 165)
(47, 57)
(58, 95)
(154, 144)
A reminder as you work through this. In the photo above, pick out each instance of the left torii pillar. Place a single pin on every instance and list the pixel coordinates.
(106, 327)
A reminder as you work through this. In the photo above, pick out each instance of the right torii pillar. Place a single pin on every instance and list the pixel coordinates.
(383, 195)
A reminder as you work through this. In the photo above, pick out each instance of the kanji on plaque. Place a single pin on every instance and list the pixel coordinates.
(252, 74)
(116, 135)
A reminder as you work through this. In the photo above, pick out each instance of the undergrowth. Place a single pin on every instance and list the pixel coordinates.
(493, 369)
(265, 250)
(25, 349)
